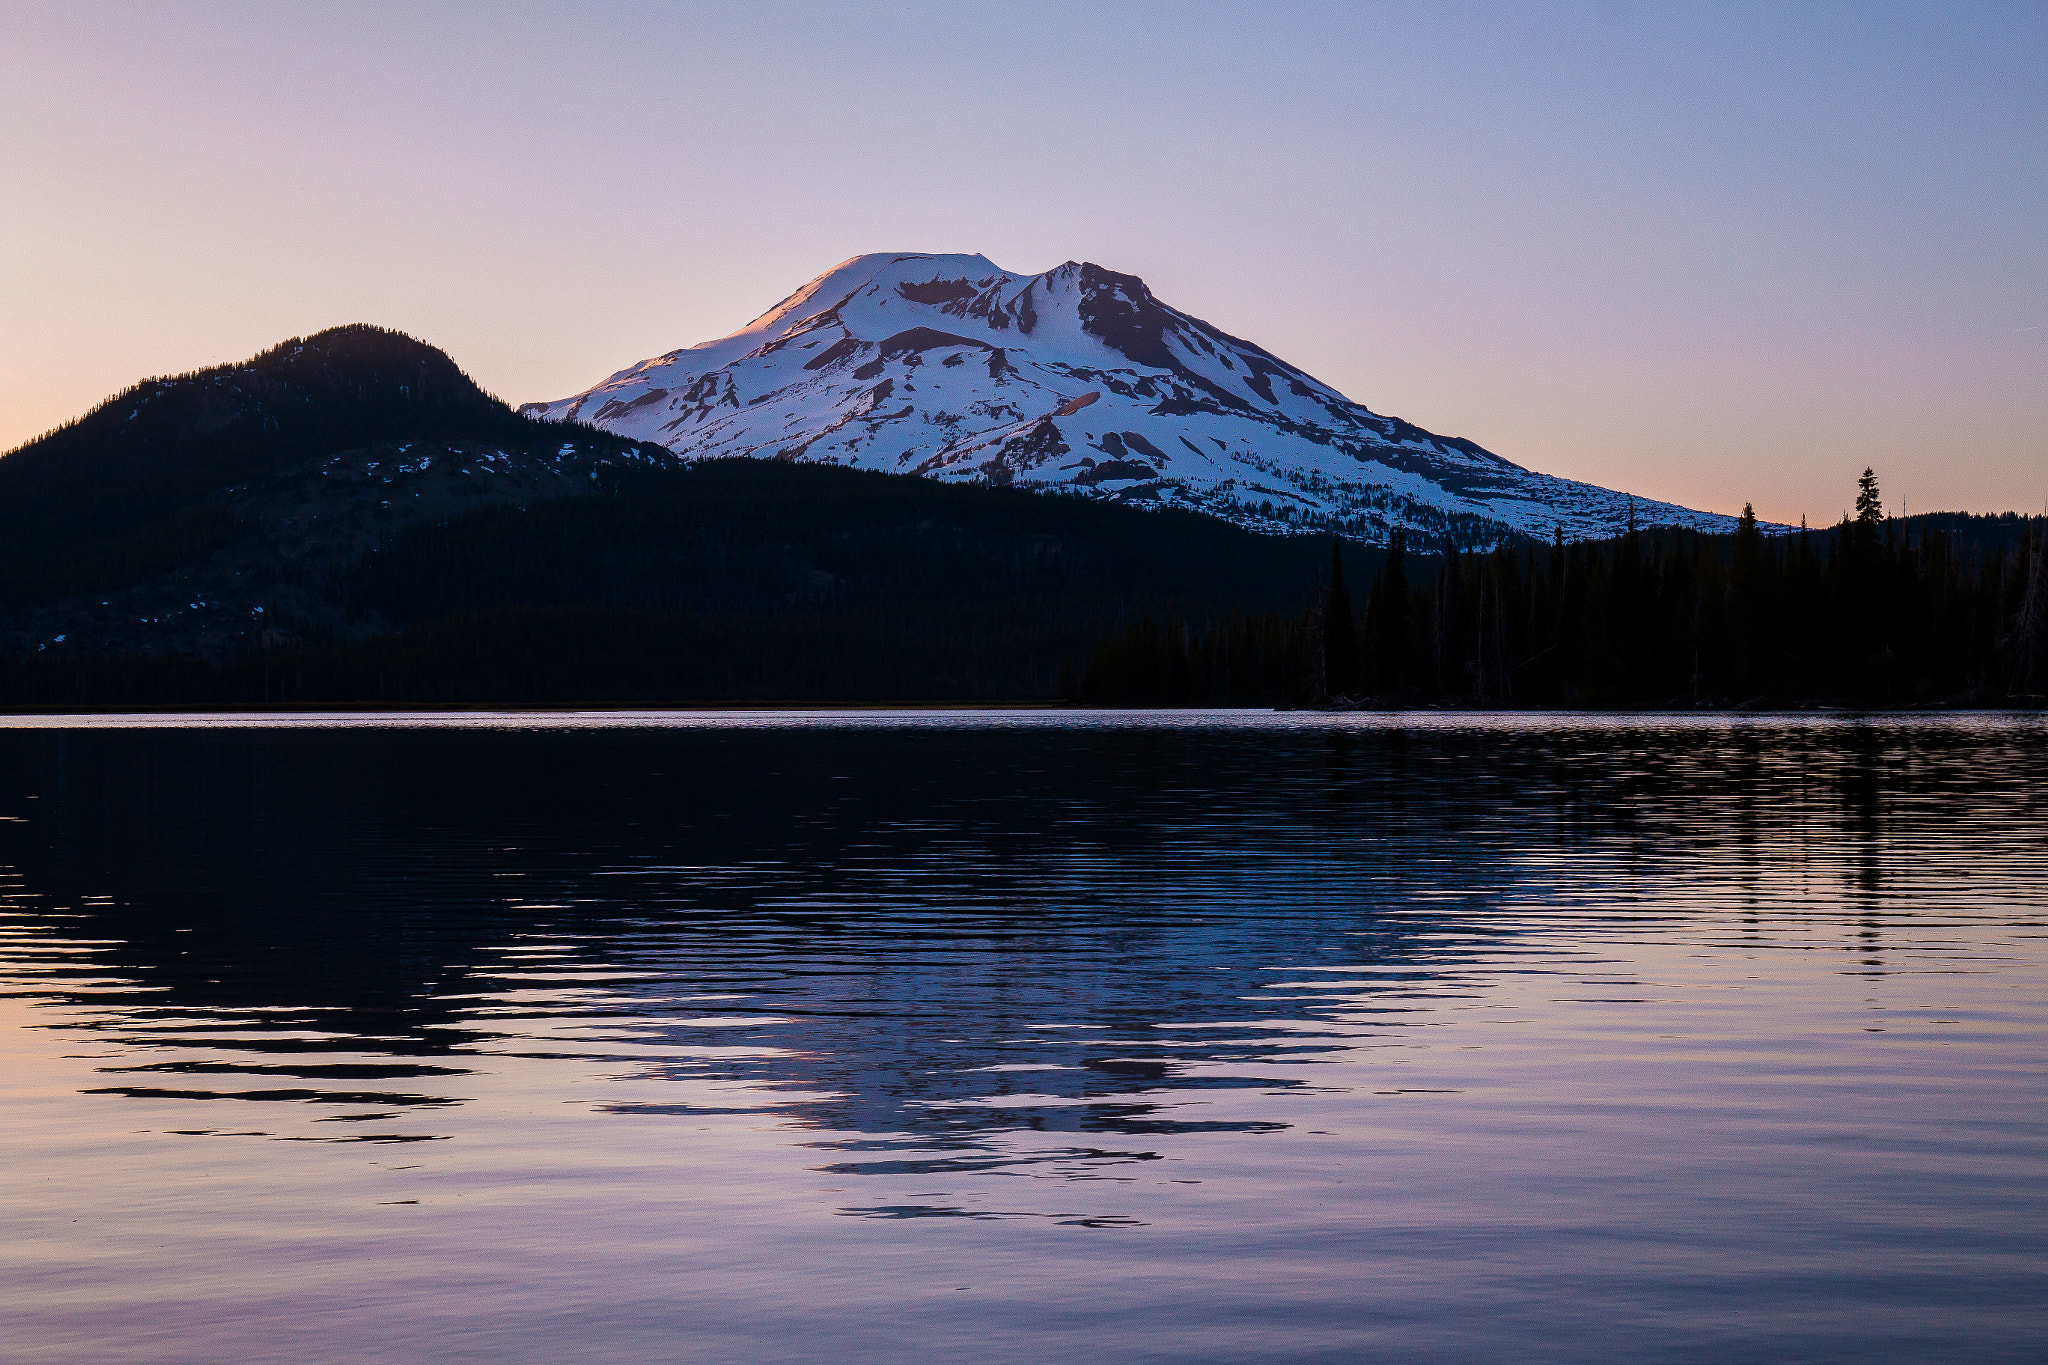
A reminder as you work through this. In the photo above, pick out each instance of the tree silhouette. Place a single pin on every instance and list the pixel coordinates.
(1390, 616)
(1869, 506)
(1340, 640)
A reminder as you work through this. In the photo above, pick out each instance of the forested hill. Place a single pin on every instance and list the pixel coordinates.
(731, 580)
(155, 478)
(755, 536)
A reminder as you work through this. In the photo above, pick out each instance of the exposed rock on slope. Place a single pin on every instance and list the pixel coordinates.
(1077, 380)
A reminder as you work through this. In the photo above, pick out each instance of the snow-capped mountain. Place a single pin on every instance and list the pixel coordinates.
(1078, 381)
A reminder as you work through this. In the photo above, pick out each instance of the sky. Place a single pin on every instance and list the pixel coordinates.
(1706, 253)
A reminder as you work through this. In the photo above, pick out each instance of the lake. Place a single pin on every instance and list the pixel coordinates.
(1025, 1036)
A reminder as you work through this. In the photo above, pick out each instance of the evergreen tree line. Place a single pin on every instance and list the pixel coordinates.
(1875, 611)
(600, 657)
(730, 581)
(751, 581)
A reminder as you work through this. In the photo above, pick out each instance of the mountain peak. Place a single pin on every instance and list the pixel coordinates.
(1076, 380)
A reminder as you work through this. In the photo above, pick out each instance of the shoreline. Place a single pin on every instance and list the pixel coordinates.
(16, 719)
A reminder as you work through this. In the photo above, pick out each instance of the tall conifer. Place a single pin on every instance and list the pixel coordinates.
(1869, 505)
(1340, 640)
(1746, 594)
(1390, 616)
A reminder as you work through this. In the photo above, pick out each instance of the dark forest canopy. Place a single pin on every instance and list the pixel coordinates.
(747, 603)
(730, 580)
(1942, 610)
(752, 536)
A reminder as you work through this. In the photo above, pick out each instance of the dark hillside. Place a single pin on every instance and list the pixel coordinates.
(731, 580)
(755, 536)
(133, 488)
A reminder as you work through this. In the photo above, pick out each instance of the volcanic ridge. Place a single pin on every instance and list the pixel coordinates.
(1076, 381)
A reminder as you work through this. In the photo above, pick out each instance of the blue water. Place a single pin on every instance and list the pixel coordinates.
(1024, 1036)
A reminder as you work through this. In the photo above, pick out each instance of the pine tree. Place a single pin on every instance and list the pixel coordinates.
(1340, 639)
(1625, 608)
(1562, 584)
(1390, 616)
(1859, 574)
(2029, 638)
(1869, 506)
(1746, 599)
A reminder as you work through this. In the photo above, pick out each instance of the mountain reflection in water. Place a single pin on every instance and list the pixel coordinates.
(912, 956)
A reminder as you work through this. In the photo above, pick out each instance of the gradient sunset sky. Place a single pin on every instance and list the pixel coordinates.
(1705, 253)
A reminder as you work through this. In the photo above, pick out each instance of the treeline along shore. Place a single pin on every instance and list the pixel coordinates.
(732, 580)
(1942, 610)
(748, 581)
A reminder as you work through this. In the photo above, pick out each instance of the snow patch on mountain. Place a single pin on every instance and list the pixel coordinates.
(1076, 381)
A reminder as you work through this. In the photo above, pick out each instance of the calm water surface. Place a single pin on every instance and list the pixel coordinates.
(1024, 1037)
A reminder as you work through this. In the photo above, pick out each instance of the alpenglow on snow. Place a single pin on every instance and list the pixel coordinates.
(1077, 381)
